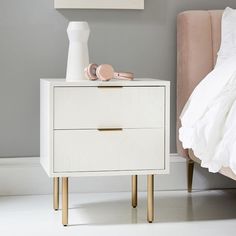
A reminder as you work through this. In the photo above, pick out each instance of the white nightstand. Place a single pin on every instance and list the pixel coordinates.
(104, 128)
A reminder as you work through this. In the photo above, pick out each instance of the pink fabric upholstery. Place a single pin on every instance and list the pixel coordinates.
(198, 41)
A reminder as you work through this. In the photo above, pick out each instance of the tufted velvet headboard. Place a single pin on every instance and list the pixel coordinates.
(198, 41)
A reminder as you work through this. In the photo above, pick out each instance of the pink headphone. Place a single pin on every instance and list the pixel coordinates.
(105, 72)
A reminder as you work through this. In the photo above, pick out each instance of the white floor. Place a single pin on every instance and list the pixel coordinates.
(199, 213)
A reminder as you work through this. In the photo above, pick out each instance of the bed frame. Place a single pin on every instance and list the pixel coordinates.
(198, 41)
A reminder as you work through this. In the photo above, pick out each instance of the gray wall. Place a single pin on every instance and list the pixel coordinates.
(33, 44)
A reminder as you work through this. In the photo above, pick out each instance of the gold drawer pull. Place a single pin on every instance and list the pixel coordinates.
(109, 87)
(109, 129)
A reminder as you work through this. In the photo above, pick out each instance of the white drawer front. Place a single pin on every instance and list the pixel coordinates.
(93, 150)
(93, 107)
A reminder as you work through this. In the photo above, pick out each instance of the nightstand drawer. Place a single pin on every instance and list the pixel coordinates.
(94, 150)
(93, 107)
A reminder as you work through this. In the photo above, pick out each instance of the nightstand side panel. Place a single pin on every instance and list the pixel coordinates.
(46, 126)
(167, 129)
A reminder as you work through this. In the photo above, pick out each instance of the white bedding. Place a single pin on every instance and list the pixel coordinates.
(228, 35)
(209, 118)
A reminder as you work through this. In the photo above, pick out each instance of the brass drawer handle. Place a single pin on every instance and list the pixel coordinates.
(109, 87)
(109, 129)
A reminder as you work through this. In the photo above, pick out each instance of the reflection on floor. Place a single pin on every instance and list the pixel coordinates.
(212, 212)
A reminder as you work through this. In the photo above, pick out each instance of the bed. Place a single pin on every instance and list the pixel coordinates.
(198, 41)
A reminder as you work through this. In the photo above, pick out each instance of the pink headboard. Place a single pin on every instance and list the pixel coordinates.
(198, 41)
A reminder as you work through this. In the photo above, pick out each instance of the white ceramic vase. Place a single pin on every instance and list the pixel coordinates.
(78, 55)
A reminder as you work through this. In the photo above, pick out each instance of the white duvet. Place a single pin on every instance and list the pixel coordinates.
(209, 118)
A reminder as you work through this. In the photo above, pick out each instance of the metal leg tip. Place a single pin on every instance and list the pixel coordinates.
(150, 221)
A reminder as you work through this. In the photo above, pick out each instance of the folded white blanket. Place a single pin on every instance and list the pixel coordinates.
(209, 118)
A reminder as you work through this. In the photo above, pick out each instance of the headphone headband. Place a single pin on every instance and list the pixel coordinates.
(124, 75)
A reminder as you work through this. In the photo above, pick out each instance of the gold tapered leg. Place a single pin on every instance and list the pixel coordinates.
(190, 175)
(134, 190)
(65, 201)
(56, 193)
(150, 198)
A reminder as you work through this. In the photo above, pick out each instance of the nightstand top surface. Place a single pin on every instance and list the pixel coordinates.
(89, 83)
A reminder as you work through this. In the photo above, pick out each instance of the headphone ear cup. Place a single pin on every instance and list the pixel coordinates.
(105, 72)
(90, 71)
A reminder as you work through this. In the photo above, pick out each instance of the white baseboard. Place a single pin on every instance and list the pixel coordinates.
(21, 176)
